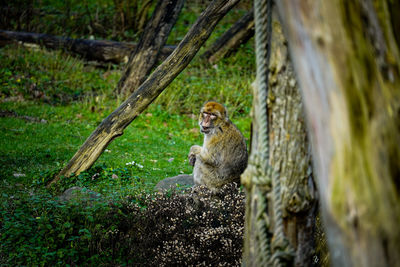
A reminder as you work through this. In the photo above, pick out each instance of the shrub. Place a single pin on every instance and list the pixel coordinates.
(196, 227)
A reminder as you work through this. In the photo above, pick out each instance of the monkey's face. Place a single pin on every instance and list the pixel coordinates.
(211, 117)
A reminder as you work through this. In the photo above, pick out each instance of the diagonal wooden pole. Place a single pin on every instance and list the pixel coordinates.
(114, 125)
(144, 58)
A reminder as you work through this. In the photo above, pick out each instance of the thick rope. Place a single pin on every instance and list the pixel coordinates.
(262, 13)
(260, 160)
(264, 173)
(262, 224)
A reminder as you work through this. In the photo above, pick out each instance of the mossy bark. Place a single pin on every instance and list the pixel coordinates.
(347, 60)
(290, 156)
(114, 125)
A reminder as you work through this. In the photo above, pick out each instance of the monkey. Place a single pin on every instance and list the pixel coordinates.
(223, 156)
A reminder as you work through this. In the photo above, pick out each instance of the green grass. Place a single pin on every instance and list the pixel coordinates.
(152, 139)
(74, 98)
(51, 77)
(158, 140)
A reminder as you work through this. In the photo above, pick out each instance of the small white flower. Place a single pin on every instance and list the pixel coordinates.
(139, 165)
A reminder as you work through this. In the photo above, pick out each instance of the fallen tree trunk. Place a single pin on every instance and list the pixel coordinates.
(238, 34)
(114, 125)
(144, 57)
(105, 51)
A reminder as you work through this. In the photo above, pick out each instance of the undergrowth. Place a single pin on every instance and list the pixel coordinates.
(120, 20)
(197, 228)
(51, 77)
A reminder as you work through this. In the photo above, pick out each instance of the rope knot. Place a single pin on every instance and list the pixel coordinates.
(283, 254)
(257, 171)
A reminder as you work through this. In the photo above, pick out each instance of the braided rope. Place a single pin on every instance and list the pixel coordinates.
(262, 13)
(283, 252)
(260, 160)
(262, 224)
(259, 167)
(256, 171)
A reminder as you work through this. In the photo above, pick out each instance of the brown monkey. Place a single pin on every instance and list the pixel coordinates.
(223, 156)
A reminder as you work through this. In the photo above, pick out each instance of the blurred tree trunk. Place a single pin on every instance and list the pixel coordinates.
(114, 125)
(346, 56)
(144, 57)
(290, 156)
(238, 34)
(105, 51)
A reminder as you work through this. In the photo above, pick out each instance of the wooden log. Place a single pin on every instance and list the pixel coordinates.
(238, 34)
(114, 125)
(105, 51)
(144, 57)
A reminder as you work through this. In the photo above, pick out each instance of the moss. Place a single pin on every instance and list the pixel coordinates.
(365, 168)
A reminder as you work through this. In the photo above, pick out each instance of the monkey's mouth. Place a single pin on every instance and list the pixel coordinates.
(205, 130)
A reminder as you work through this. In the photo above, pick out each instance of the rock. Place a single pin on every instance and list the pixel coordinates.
(79, 192)
(172, 182)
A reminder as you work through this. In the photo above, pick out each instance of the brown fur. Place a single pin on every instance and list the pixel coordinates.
(223, 156)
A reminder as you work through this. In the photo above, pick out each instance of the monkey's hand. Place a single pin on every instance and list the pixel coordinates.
(192, 159)
(194, 150)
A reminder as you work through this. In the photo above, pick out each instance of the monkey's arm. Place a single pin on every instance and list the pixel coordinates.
(198, 152)
(208, 158)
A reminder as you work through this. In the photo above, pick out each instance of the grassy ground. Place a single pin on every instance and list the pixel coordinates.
(73, 99)
(65, 99)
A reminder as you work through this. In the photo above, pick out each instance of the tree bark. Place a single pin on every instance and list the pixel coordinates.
(290, 156)
(347, 60)
(290, 153)
(238, 34)
(113, 126)
(144, 57)
(105, 51)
